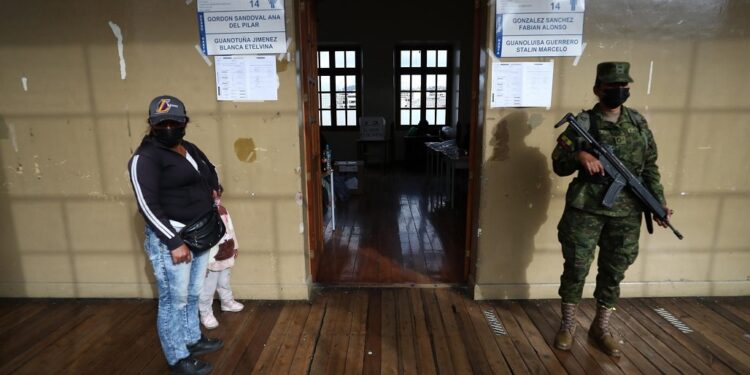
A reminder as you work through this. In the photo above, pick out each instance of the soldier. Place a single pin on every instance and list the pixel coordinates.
(586, 223)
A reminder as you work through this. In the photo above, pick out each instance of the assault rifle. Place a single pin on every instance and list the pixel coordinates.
(621, 177)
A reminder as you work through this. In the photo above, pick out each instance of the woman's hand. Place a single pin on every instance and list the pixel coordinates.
(181, 254)
(590, 163)
(661, 223)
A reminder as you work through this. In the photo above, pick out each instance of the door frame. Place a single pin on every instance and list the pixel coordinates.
(307, 39)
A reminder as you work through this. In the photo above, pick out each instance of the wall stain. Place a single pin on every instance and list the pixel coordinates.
(244, 148)
(276, 116)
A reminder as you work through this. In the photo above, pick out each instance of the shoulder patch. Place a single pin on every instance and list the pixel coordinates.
(565, 143)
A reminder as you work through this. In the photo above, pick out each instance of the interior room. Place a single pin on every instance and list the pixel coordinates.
(394, 96)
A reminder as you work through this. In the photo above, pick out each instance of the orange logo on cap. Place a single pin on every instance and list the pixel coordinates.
(163, 106)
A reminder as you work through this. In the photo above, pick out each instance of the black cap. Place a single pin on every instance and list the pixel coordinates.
(166, 107)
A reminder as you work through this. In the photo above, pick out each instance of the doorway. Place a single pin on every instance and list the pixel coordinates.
(403, 211)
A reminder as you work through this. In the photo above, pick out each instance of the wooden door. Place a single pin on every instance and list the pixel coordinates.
(308, 47)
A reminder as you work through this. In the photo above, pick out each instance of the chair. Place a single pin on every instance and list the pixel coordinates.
(373, 139)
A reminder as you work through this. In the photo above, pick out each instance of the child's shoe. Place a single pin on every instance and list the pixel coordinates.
(231, 306)
(208, 320)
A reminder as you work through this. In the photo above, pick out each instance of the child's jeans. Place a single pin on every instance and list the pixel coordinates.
(216, 281)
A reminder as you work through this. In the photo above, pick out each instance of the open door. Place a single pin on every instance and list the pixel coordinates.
(477, 93)
(308, 40)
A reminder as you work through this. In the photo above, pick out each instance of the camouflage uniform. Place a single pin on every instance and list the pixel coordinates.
(586, 223)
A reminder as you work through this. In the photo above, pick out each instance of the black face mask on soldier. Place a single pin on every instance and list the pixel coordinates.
(169, 137)
(615, 96)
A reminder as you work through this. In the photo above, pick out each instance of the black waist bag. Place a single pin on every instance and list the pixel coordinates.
(204, 232)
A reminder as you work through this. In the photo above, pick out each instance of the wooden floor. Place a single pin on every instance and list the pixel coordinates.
(380, 331)
(400, 229)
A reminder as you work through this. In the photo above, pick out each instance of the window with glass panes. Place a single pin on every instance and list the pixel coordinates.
(423, 85)
(338, 86)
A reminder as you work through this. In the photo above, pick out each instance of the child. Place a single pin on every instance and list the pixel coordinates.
(221, 260)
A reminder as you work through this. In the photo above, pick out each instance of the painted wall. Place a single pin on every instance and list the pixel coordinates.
(689, 62)
(70, 226)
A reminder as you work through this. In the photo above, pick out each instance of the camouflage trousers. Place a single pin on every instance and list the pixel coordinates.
(579, 233)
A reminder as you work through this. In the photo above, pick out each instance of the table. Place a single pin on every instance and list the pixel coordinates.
(442, 162)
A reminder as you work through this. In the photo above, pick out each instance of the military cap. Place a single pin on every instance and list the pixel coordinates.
(610, 72)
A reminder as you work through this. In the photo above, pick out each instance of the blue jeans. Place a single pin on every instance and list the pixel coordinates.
(180, 285)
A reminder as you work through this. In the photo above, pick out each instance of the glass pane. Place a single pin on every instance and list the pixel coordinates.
(440, 120)
(405, 86)
(325, 101)
(340, 63)
(430, 116)
(351, 118)
(405, 99)
(351, 83)
(416, 99)
(405, 117)
(441, 99)
(416, 59)
(351, 61)
(441, 82)
(431, 59)
(341, 118)
(351, 100)
(340, 100)
(340, 83)
(405, 59)
(430, 99)
(443, 58)
(415, 116)
(325, 83)
(430, 82)
(326, 118)
(416, 82)
(324, 58)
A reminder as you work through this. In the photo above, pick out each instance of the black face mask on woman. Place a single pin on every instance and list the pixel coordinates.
(169, 137)
(615, 96)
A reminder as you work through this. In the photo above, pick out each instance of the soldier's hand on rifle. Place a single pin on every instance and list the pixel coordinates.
(661, 223)
(590, 163)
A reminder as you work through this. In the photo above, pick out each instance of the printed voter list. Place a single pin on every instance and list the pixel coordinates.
(241, 27)
(537, 28)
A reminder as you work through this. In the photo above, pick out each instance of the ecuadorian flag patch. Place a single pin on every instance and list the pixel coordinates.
(565, 142)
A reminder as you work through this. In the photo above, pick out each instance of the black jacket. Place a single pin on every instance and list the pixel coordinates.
(167, 187)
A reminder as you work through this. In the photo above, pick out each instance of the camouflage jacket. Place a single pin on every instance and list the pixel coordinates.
(632, 142)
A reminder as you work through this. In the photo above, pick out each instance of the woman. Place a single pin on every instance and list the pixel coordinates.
(586, 223)
(174, 183)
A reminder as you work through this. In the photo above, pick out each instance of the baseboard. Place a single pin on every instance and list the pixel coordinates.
(627, 290)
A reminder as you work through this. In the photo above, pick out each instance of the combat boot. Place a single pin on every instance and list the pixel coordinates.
(600, 333)
(564, 337)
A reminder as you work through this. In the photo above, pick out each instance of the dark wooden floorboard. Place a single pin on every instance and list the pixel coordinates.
(519, 339)
(693, 343)
(381, 331)
(709, 337)
(392, 234)
(674, 340)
